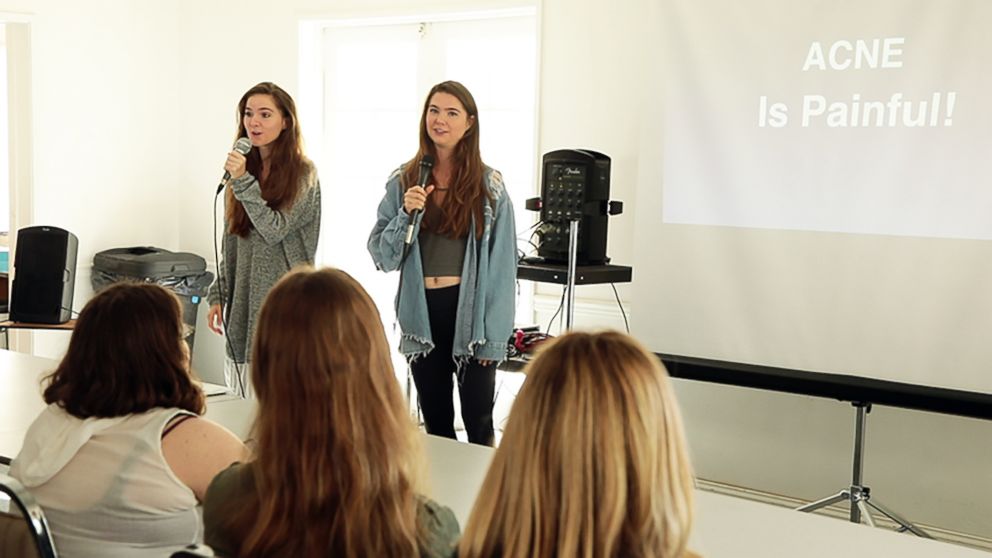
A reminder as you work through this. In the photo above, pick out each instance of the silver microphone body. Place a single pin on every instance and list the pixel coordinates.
(242, 146)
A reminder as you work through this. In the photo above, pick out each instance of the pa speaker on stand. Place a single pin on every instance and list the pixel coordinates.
(575, 186)
(44, 275)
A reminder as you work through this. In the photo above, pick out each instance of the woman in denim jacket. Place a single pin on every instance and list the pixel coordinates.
(455, 301)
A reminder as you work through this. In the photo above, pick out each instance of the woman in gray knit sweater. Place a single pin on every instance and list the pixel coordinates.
(272, 219)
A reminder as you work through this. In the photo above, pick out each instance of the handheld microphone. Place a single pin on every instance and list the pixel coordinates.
(242, 146)
(426, 164)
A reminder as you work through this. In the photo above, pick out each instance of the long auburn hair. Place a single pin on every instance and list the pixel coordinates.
(593, 461)
(288, 165)
(338, 458)
(126, 355)
(467, 193)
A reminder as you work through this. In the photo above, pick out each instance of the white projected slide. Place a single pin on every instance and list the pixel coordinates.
(864, 117)
(814, 187)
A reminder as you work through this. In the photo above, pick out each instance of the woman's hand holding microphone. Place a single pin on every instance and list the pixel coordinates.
(415, 198)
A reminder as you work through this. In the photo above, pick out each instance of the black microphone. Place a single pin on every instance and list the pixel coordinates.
(426, 164)
(242, 146)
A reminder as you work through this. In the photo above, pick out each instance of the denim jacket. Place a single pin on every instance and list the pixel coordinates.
(484, 318)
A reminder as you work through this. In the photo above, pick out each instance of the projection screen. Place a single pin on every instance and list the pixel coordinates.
(815, 190)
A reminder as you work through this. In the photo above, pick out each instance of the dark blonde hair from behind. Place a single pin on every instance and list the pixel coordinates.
(338, 458)
(593, 461)
(126, 355)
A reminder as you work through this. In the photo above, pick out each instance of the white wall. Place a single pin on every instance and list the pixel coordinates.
(106, 127)
(135, 109)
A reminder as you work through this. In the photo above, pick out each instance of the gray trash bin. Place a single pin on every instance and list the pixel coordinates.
(181, 272)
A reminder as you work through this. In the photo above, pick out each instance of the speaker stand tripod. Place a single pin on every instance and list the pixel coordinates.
(857, 494)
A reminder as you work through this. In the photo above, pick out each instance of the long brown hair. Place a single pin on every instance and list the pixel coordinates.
(338, 456)
(287, 164)
(467, 193)
(593, 461)
(126, 355)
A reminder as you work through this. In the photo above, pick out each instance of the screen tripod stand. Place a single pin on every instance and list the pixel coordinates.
(857, 494)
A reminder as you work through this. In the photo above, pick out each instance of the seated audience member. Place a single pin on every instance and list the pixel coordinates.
(593, 461)
(335, 468)
(120, 457)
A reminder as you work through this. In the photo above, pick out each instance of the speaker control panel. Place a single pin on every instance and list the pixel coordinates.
(564, 192)
(554, 236)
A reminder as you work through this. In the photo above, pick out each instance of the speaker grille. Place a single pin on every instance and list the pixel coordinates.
(44, 272)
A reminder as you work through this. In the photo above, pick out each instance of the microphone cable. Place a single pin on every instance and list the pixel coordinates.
(561, 305)
(223, 297)
(626, 324)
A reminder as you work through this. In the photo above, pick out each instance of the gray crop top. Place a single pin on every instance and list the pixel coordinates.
(440, 255)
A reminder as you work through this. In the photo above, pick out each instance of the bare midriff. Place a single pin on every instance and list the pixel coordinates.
(441, 282)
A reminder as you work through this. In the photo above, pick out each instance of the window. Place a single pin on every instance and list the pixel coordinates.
(4, 139)
(372, 77)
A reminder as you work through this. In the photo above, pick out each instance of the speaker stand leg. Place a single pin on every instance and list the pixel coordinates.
(573, 260)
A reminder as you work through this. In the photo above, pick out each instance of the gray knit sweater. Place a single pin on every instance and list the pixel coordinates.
(278, 241)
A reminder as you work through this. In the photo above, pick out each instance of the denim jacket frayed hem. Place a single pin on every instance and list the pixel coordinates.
(486, 299)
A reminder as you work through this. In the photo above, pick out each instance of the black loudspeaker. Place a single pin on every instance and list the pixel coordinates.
(44, 275)
(575, 185)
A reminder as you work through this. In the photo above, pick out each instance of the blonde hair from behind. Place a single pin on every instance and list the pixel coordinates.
(593, 461)
(338, 458)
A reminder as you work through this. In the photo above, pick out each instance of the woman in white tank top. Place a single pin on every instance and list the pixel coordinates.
(120, 457)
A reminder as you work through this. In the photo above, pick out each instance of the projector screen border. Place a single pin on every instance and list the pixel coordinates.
(832, 386)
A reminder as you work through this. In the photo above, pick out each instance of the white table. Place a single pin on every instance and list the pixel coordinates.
(725, 527)
(20, 397)
(734, 527)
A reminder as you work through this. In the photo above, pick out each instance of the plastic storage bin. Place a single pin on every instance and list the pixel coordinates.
(181, 272)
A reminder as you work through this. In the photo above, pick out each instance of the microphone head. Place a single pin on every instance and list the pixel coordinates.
(243, 146)
(426, 164)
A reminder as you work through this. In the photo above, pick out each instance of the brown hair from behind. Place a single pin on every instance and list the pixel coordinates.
(287, 165)
(126, 355)
(337, 457)
(593, 461)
